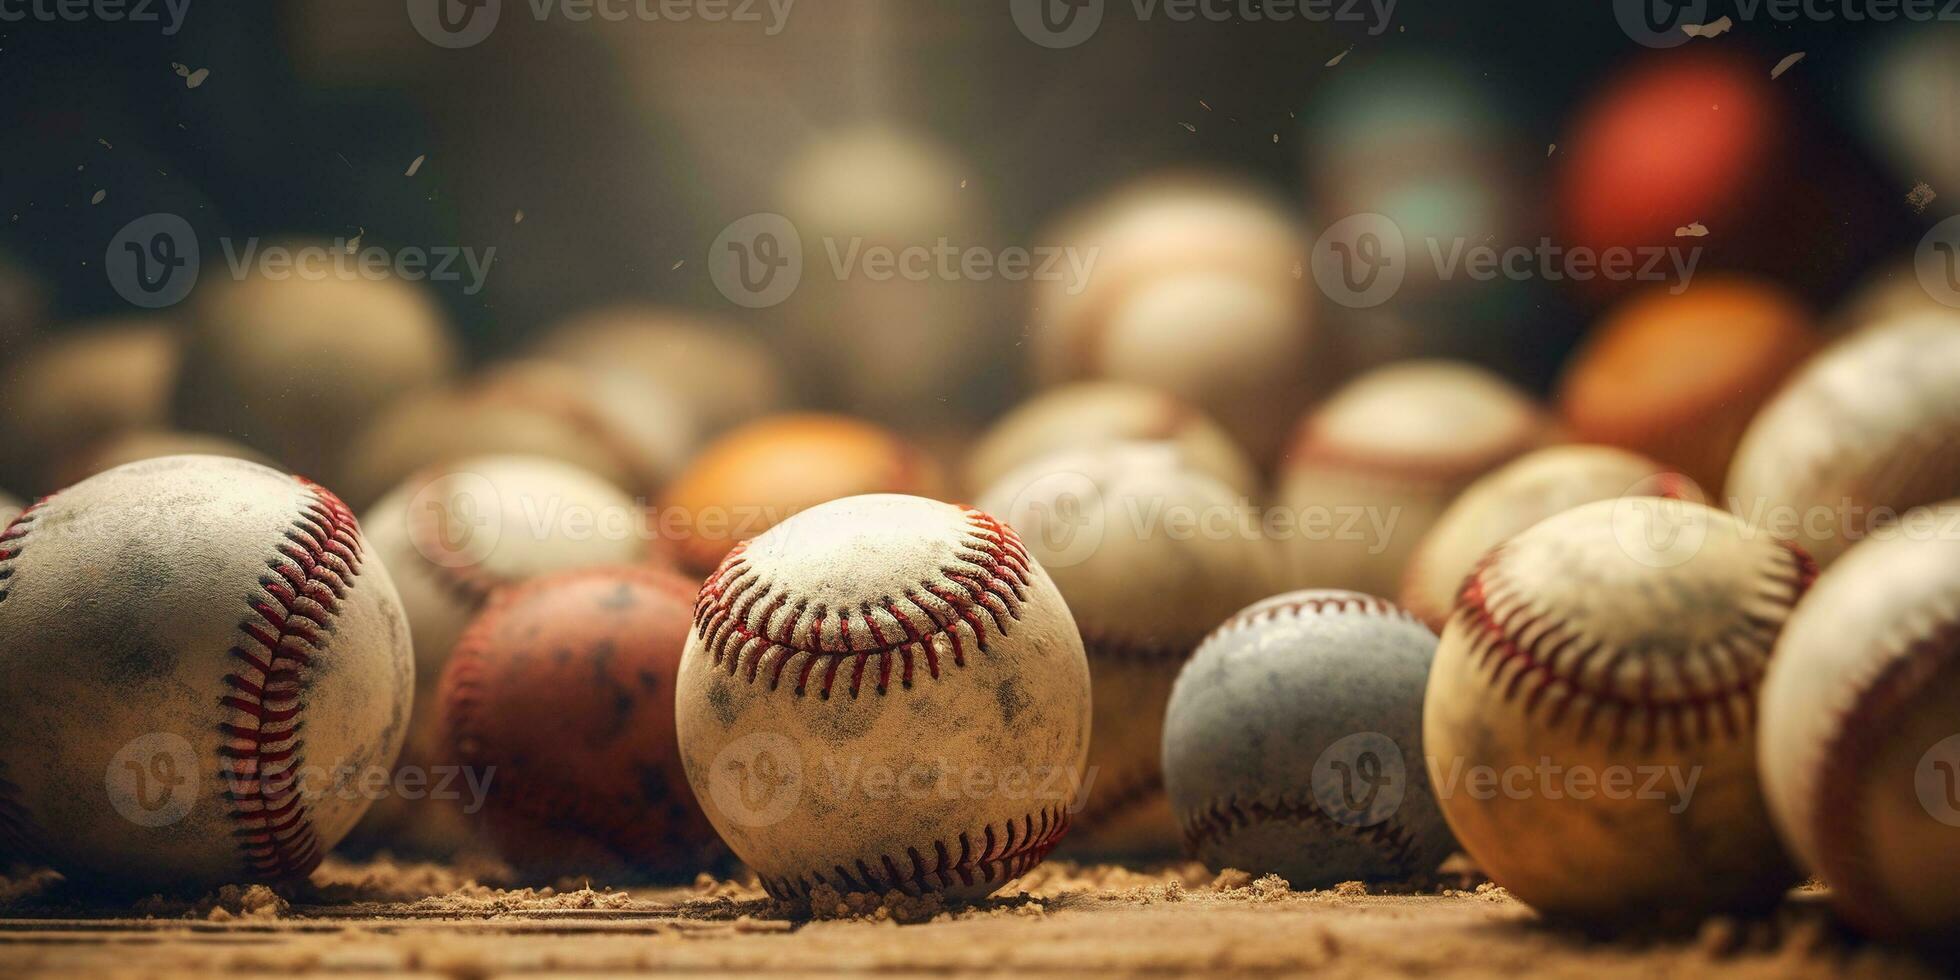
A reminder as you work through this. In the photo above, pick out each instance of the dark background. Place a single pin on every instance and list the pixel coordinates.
(628, 146)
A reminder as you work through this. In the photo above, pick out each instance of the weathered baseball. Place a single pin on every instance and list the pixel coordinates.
(86, 383)
(197, 651)
(1293, 743)
(454, 535)
(561, 693)
(1590, 720)
(1862, 434)
(295, 367)
(759, 474)
(1860, 736)
(884, 693)
(610, 423)
(1092, 413)
(1193, 286)
(1514, 497)
(1150, 555)
(1678, 377)
(719, 371)
(1373, 468)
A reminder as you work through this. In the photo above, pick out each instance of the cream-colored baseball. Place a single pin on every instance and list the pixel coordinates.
(720, 372)
(884, 693)
(1511, 499)
(90, 382)
(1862, 434)
(1590, 718)
(1372, 468)
(1093, 413)
(203, 658)
(1860, 738)
(1150, 555)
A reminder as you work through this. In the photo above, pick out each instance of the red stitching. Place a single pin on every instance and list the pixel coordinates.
(1337, 602)
(1547, 674)
(1230, 815)
(737, 618)
(308, 578)
(995, 858)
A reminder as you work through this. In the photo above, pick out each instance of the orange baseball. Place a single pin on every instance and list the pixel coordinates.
(756, 476)
(1678, 377)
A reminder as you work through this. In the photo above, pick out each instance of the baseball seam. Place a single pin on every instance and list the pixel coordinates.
(1230, 815)
(1351, 602)
(1129, 792)
(1548, 662)
(996, 858)
(18, 830)
(291, 617)
(738, 617)
(1838, 819)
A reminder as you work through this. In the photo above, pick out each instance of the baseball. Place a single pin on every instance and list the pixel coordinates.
(721, 374)
(454, 535)
(269, 359)
(1131, 535)
(884, 693)
(562, 693)
(1374, 466)
(1293, 743)
(1514, 497)
(1195, 287)
(1093, 413)
(1862, 434)
(1678, 377)
(170, 629)
(137, 445)
(1590, 718)
(755, 476)
(92, 382)
(1861, 763)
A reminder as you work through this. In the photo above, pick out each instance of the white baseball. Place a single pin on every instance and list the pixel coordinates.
(1862, 434)
(1590, 717)
(1150, 555)
(1511, 499)
(1860, 736)
(1293, 743)
(196, 649)
(1092, 413)
(1372, 468)
(884, 693)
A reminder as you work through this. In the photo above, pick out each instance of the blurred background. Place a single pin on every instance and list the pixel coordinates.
(601, 158)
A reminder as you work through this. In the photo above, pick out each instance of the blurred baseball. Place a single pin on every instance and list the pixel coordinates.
(721, 374)
(1093, 413)
(563, 688)
(169, 630)
(1522, 493)
(756, 476)
(1590, 719)
(137, 445)
(1862, 434)
(452, 536)
(884, 693)
(295, 367)
(1293, 743)
(1373, 467)
(1860, 758)
(89, 382)
(1150, 554)
(610, 423)
(1678, 377)
(1194, 287)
